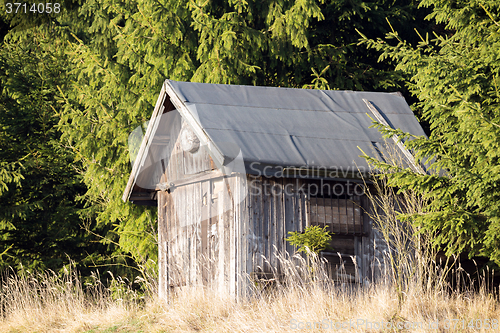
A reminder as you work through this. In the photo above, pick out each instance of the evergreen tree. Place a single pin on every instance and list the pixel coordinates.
(455, 76)
(130, 48)
(39, 185)
(118, 55)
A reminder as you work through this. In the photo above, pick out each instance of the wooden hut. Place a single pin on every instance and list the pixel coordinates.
(232, 169)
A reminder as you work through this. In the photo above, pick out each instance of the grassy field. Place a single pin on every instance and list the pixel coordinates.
(51, 303)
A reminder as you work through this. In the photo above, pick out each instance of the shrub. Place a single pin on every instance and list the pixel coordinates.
(314, 238)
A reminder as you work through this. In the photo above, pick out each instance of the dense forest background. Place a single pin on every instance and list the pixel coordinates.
(74, 84)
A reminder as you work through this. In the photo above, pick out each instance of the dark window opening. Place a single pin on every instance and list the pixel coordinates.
(343, 215)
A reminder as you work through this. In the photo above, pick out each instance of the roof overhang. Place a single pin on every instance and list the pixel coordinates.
(167, 92)
(145, 144)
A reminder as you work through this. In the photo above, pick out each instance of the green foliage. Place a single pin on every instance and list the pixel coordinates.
(455, 76)
(313, 239)
(125, 51)
(318, 82)
(40, 226)
(9, 174)
(110, 59)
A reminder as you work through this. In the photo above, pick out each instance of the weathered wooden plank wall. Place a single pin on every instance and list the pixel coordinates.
(220, 232)
(271, 213)
(277, 206)
(180, 226)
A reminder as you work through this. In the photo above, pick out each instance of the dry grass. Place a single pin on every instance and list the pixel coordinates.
(51, 304)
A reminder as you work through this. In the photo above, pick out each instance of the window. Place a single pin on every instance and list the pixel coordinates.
(342, 214)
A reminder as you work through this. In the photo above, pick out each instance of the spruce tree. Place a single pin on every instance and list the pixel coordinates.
(41, 226)
(129, 48)
(119, 53)
(455, 76)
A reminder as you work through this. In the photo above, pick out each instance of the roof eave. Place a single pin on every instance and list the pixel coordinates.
(139, 161)
(168, 91)
(191, 119)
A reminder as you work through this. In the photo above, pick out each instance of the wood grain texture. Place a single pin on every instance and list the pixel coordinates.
(221, 232)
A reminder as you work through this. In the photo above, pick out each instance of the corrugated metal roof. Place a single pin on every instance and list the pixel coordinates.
(293, 127)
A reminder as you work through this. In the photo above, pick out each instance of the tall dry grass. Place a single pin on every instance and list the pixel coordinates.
(40, 302)
(51, 303)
